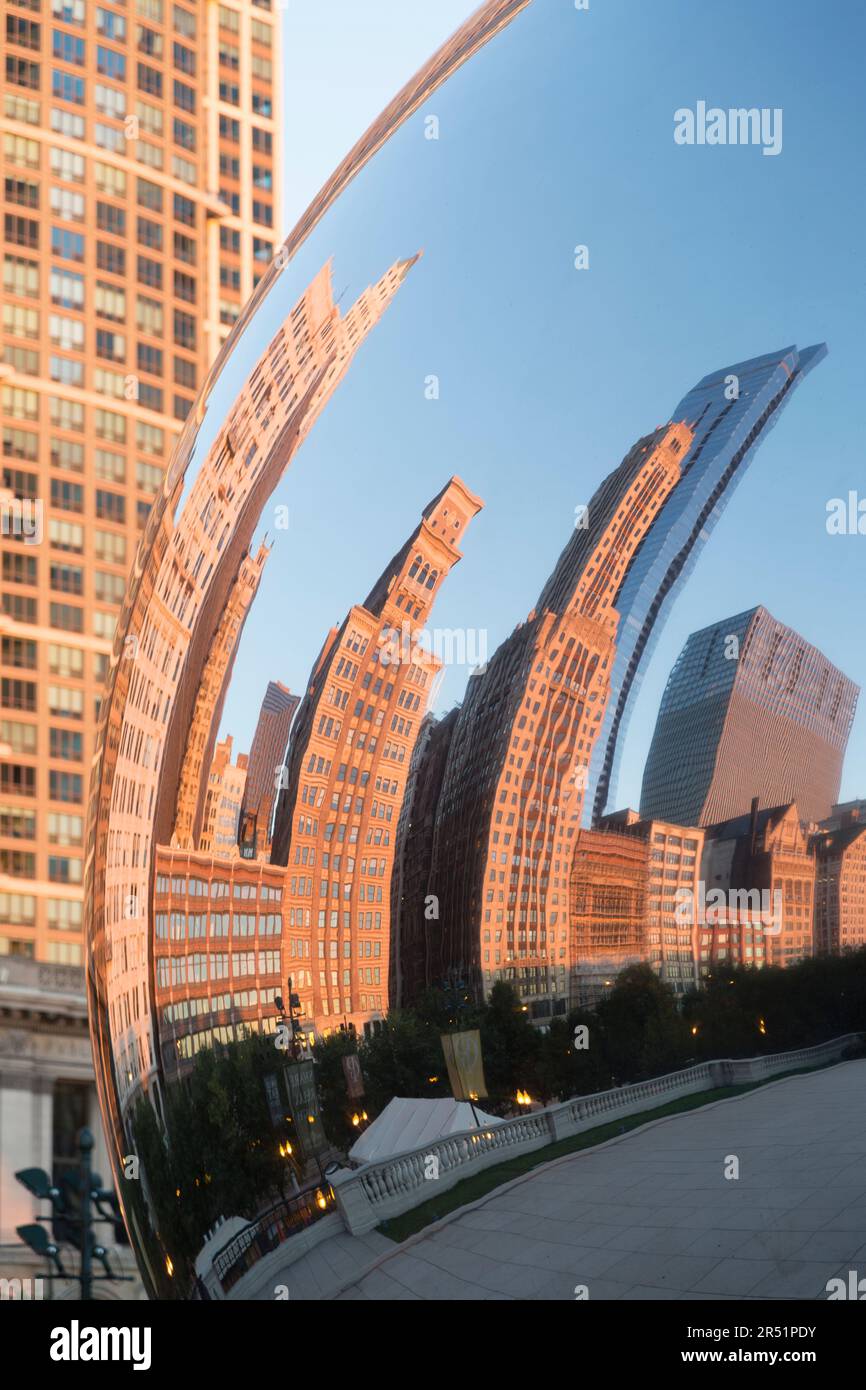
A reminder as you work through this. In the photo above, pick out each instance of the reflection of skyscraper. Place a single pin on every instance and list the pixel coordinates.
(514, 782)
(267, 755)
(209, 700)
(730, 412)
(222, 803)
(415, 937)
(349, 758)
(750, 710)
(176, 613)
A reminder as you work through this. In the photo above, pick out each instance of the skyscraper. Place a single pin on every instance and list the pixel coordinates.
(750, 709)
(516, 774)
(168, 682)
(351, 748)
(267, 754)
(141, 204)
(730, 412)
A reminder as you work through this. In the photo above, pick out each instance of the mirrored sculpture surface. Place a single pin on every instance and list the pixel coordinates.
(273, 807)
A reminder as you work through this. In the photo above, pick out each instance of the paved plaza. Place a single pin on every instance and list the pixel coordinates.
(652, 1215)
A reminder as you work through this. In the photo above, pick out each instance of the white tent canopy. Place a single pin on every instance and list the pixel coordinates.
(407, 1124)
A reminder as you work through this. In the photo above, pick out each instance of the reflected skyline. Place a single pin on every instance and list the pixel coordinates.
(256, 885)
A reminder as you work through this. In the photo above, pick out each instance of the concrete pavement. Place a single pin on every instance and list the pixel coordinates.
(654, 1216)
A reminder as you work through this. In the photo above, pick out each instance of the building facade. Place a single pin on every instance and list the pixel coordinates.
(161, 684)
(516, 774)
(351, 750)
(750, 709)
(226, 785)
(840, 888)
(634, 896)
(764, 862)
(141, 203)
(218, 926)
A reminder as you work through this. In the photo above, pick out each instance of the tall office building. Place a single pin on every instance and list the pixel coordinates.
(516, 774)
(730, 412)
(167, 700)
(141, 204)
(351, 749)
(750, 709)
(267, 757)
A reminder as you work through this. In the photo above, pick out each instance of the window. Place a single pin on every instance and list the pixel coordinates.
(149, 233)
(67, 204)
(111, 219)
(110, 25)
(111, 259)
(184, 97)
(149, 80)
(110, 63)
(149, 359)
(69, 48)
(149, 273)
(68, 246)
(149, 195)
(149, 316)
(67, 165)
(65, 333)
(110, 101)
(67, 454)
(109, 179)
(20, 151)
(67, 288)
(109, 465)
(184, 330)
(184, 59)
(20, 277)
(65, 86)
(110, 345)
(110, 302)
(21, 231)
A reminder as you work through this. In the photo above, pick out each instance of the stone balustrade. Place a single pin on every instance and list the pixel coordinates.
(369, 1195)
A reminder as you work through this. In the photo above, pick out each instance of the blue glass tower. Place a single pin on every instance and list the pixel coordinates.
(730, 411)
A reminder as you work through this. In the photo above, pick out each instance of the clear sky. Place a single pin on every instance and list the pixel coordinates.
(699, 257)
(344, 61)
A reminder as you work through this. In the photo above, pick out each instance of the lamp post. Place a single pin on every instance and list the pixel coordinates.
(72, 1204)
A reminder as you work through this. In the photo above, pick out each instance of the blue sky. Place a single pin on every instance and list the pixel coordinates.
(561, 132)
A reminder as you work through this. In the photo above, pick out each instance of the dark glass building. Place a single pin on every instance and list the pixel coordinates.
(750, 709)
(730, 411)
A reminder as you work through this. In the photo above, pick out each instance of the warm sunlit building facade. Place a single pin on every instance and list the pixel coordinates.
(351, 748)
(513, 787)
(226, 784)
(217, 930)
(200, 563)
(840, 888)
(140, 150)
(638, 905)
(765, 861)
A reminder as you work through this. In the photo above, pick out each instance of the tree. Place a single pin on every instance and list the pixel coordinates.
(644, 1034)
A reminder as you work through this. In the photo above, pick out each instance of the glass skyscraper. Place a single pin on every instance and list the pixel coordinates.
(751, 709)
(730, 411)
